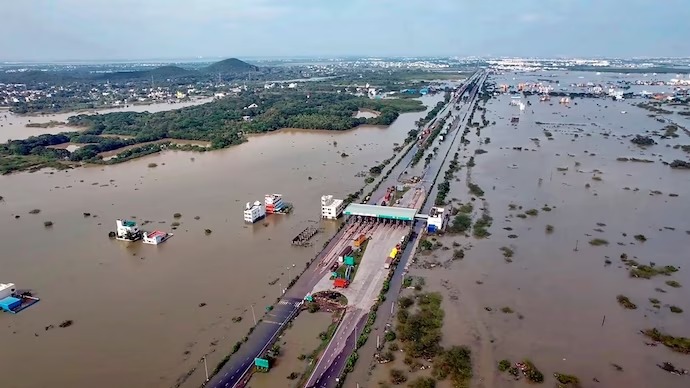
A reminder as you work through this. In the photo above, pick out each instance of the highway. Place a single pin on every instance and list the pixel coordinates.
(235, 371)
(333, 361)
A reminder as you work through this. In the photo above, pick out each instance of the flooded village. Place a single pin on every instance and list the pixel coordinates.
(566, 260)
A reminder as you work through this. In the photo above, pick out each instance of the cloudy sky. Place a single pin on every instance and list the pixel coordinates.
(166, 29)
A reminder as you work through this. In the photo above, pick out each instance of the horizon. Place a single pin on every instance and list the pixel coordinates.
(77, 30)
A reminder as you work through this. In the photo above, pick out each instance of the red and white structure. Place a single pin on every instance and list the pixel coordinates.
(273, 203)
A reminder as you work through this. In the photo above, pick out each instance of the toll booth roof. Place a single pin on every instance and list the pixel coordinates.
(386, 212)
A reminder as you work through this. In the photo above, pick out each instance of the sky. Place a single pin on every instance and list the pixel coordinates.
(47, 30)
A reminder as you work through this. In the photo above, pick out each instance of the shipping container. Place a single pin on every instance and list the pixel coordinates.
(349, 260)
(345, 252)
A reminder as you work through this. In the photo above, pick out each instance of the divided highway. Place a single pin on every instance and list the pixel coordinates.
(235, 371)
(332, 362)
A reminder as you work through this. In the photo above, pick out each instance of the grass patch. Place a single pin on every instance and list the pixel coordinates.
(649, 271)
(677, 344)
(475, 189)
(466, 208)
(598, 242)
(625, 302)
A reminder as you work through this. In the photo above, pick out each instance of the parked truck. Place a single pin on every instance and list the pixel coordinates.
(340, 283)
(345, 252)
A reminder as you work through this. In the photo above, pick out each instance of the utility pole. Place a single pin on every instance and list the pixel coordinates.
(378, 342)
(253, 314)
(206, 368)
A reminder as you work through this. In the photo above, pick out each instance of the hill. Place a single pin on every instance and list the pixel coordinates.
(231, 65)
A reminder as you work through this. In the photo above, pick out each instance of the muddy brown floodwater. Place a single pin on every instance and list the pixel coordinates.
(560, 296)
(137, 309)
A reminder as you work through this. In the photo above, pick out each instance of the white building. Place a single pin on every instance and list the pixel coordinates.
(7, 289)
(255, 212)
(156, 237)
(127, 230)
(437, 220)
(331, 208)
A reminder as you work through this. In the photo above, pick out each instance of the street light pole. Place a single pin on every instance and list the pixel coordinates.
(253, 314)
(206, 368)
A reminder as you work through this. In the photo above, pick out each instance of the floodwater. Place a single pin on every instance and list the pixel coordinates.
(367, 114)
(13, 127)
(563, 293)
(145, 315)
(302, 338)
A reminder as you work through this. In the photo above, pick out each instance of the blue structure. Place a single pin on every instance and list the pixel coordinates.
(424, 91)
(10, 303)
(431, 229)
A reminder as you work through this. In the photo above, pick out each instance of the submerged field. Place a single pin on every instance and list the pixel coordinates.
(584, 248)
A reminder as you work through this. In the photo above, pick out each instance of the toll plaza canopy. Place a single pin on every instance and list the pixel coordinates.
(385, 212)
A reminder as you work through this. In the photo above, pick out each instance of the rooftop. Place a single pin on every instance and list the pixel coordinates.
(389, 212)
(156, 233)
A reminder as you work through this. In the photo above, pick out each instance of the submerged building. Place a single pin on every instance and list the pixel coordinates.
(331, 208)
(437, 220)
(127, 230)
(254, 212)
(273, 203)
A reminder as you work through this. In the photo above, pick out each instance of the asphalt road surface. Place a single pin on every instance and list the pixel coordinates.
(326, 373)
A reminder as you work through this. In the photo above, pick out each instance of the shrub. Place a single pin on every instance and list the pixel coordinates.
(640, 237)
(549, 228)
(507, 310)
(673, 283)
(48, 224)
(676, 309)
(177, 215)
(507, 252)
(152, 165)
(598, 241)
(625, 302)
(532, 212)
(461, 223)
(397, 376)
(567, 379)
(503, 365)
(390, 335)
(455, 363)
(208, 231)
(35, 211)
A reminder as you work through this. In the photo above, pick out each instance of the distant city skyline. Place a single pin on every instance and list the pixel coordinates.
(82, 30)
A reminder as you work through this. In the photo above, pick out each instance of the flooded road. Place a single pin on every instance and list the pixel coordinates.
(145, 315)
(13, 127)
(561, 289)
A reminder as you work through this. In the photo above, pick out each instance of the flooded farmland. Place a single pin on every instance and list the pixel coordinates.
(570, 213)
(143, 316)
